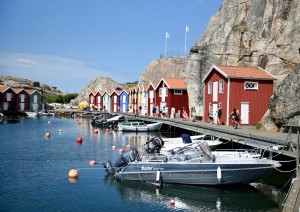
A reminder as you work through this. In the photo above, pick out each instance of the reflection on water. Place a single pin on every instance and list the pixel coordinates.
(196, 198)
(34, 174)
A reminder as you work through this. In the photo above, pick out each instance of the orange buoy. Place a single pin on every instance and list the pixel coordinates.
(106, 130)
(127, 146)
(96, 131)
(121, 151)
(73, 173)
(172, 202)
(47, 135)
(93, 163)
(79, 139)
(114, 147)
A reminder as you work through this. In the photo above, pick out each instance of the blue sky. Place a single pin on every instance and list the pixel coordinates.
(69, 43)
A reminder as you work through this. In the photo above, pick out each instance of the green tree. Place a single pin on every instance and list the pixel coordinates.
(36, 84)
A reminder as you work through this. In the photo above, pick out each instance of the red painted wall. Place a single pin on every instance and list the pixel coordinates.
(258, 99)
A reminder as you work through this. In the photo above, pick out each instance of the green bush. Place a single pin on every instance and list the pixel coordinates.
(258, 125)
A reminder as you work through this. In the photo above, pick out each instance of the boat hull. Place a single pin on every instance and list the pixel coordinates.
(195, 174)
(140, 128)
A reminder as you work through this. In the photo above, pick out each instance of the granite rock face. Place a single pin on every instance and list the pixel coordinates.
(261, 33)
(285, 103)
(99, 84)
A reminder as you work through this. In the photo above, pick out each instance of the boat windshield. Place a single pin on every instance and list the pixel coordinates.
(194, 151)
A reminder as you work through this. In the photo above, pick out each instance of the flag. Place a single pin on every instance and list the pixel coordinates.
(167, 35)
(187, 29)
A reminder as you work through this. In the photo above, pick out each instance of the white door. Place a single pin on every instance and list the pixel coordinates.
(124, 108)
(22, 106)
(215, 91)
(5, 105)
(35, 107)
(215, 109)
(245, 113)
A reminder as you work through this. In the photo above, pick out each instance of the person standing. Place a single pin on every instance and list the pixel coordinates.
(219, 114)
(211, 115)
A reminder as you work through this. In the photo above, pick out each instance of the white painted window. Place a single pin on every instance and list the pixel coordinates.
(8, 97)
(22, 96)
(221, 86)
(99, 100)
(35, 99)
(177, 92)
(251, 85)
(163, 92)
(209, 88)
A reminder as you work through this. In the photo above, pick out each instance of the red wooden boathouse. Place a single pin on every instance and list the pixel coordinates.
(248, 89)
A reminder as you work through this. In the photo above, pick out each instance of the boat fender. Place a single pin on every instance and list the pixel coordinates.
(158, 176)
(213, 158)
(219, 173)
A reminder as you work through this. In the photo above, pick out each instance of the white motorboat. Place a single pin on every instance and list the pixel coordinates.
(170, 143)
(139, 126)
(192, 164)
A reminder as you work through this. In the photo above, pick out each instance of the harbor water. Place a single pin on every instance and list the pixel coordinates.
(34, 174)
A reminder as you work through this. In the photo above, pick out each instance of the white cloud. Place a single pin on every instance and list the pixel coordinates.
(64, 73)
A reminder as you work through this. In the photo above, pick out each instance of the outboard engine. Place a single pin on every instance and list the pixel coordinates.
(154, 145)
(127, 157)
(109, 168)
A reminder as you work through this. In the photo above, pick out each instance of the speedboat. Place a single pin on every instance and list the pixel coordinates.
(193, 164)
(170, 143)
(139, 127)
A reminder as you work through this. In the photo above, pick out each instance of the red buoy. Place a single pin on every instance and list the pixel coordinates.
(96, 131)
(73, 173)
(172, 202)
(127, 147)
(121, 151)
(106, 130)
(93, 163)
(47, 135)
(79, 139)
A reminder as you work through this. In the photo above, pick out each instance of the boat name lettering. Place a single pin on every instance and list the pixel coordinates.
(150, 168)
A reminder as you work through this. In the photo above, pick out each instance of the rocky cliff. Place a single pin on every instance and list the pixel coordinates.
(99, 84)
(261, 33)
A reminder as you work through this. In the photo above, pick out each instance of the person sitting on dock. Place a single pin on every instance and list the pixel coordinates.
(185, 114)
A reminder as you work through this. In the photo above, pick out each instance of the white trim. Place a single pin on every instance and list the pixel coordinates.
(228, 97)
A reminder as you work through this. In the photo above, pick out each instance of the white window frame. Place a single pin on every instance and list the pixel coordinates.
(221, 86)
(248, 87)
(161, 91)
(178, 92)
(209, 88)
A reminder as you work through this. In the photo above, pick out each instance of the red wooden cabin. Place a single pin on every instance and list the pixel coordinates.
(248, 89)
(173, 93)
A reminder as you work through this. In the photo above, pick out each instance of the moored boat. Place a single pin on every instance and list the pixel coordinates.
(192, 164)
(139, 126)
(185, 139)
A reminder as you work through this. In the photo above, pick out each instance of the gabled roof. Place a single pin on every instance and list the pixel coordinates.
(3, 88)
(153, 84)
(118, 92)
(17, 90)
(126, 91)
(241, 72)
(174, 83)
(32, 91)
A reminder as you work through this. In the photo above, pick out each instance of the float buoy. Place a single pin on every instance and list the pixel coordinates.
(127, 147)
(219, 173)
(114, 147)
(73, 173)
(60, 130)
(93, 163)
(47, 135)
(106, 130)
(121, 151)
(49, 122)
(96, 131)
(172, 202)
(79, 139)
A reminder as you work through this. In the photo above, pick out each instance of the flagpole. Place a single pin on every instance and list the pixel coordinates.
(186, 31)
(166, 46)
(185, 42)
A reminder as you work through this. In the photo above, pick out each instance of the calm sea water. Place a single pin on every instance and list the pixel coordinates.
(34, 175)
